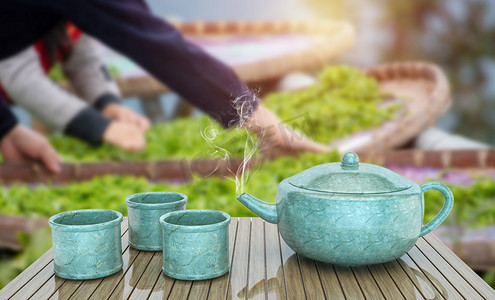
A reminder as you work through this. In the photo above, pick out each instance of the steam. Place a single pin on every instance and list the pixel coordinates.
(244, 110)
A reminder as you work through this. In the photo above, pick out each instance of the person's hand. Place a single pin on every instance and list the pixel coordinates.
(125, 136)
(277, 139)
(23, 144)
(121, 113)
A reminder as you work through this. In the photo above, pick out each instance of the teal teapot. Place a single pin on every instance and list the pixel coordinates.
(350, 213)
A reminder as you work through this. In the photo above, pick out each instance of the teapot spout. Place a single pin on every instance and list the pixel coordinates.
(267, 211)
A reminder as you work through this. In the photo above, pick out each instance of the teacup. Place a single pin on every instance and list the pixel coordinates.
(195, 244)
(144, 212)
(86, 243)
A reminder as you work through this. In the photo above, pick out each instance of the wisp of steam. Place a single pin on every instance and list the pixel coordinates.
(210, 133)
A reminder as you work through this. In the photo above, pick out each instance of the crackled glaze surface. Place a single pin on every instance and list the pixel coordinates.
(195, 244)
(145, 210)
(336, 229)
(350, 213)
(86, 243)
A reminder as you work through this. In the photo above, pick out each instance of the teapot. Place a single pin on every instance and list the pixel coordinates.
(350, 213)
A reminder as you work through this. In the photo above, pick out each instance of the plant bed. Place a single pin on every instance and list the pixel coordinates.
(176, 171)
(470, 162)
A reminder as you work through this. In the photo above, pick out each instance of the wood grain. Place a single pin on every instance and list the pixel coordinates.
(131, 277)
(330, 281)
(393, 281)
(162, 288)
(447, 271)
(348, 283)
(428, 270)
(274, 269)
(149, 278)
(200, 289)
(424, 286)
(367, 283)
(264, 267)
(292, 273)
(180, 290)
(256, 279)
(220, 287)
(467, 273)
(27, 275)
(239, 270)
(310, 278)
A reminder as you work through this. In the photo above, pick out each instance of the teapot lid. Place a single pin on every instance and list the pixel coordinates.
(350, 177)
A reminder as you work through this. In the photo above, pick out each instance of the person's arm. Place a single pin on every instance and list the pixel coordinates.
(18, 143)
(89, 76)
(7, 119)
(92, 81)
(129, 27)
(27, 85)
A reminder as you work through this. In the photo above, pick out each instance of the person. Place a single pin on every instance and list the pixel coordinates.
(129, 27)
(95, 113)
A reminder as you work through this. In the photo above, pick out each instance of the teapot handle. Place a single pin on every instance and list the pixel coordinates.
(447, 206)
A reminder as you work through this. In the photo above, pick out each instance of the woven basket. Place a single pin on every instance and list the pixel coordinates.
(425, 92)
(329, 39)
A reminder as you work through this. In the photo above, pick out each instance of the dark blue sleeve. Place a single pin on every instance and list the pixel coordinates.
(129, 27)
(7, 119)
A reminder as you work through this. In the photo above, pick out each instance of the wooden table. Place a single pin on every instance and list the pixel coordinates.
(264, 267)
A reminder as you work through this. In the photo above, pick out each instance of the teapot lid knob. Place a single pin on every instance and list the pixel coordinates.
(350, 161)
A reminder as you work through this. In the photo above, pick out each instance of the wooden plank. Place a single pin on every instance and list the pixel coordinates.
(108, 284)
(428, 270)
(329, 281)
(36, 283)
(423, 284)
(69, 287)
(239, 270)
(256, 286)
(51, 286)
(273, 262)
(220, 287)
(27, 275)
(348, 283)
(367, 283)
(131, 277)
(464, 270)
(162, 288)
(262, 265)
(393, 281)
(180, 290)
(150, 276)
(292, 273)
(311, 278)
(456, 280)
(200, 289)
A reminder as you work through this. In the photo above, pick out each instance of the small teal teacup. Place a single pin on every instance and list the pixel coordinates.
(144, 211)
(195, 244)
(86, 243)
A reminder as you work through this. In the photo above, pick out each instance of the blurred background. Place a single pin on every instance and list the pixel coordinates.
(456, 35)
